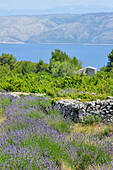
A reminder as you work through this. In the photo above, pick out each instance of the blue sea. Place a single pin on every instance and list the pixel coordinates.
(90, 55)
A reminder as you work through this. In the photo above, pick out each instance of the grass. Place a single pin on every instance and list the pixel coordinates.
(2, 119)
(100, 130)
(94, 129)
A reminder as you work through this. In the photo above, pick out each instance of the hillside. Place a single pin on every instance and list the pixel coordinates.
(95, 28)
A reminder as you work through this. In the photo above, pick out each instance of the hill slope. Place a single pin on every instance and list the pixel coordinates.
(94, 28)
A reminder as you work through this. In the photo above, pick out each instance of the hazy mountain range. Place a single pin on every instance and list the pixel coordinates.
(77, 9)
(94, 28)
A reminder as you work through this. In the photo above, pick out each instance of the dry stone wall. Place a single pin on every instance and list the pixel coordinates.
(77, 110)
(18, 94)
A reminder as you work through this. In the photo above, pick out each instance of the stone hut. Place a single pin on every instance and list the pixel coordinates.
(88, 70)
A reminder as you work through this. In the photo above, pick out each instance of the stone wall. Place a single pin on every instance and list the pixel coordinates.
(18, 94)
(77, 110)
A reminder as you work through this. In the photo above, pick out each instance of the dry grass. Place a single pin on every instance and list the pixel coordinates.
(89, 129)
(63, 165)
(2, 118)
(2, 115)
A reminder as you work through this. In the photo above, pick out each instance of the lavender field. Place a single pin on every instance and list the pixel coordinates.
(35, 136)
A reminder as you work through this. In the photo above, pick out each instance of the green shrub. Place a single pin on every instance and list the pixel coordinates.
(103, 134)
(91, 120)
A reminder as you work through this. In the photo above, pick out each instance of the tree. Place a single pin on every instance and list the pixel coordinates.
(62, 65)
(76, 62)
(25, 67)
(4, 70)
(63, 69)
(59, 56)
(110, 60)
(41, 66)
(7, 59)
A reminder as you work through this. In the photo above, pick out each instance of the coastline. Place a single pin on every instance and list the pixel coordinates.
(12, 42)
(95, 44)
(52, 43)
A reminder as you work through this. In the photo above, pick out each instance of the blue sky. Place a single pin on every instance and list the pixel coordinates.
(44, 4)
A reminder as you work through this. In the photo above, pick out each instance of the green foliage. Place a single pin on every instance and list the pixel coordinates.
(87, 159)
(7, 59)
(110, 60)
(25, 67)
(103, 134)
(4, 101)
(84, 96)
(62, 65)
(60, 126)
(75, 61)
(4, 70)
(58, 56)
(52, 78)
(41, 66)
(36, 115)
(91, 120)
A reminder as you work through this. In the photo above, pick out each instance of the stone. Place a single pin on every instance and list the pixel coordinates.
(111, 112)
(81, 105)
(94, 94)
(97, 107)
(109, 107)
(103, 113)
(97, 101)
(89, 103)
(105, 103)
(93, 103)
(111, 103)
(92, 112)
(78, 99)
(109, 115)
(111, 120)
(88, 70)
(104, 109)
(107, 112)
(103, 116)
(97, 112)
(76, 110)
(109, 97)
(81, 111)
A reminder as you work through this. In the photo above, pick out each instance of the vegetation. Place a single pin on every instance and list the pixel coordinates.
(59, 78)
(110, 62)
(36, 137)
(91, 119)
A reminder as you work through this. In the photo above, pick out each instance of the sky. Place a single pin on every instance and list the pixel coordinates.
(46, 4)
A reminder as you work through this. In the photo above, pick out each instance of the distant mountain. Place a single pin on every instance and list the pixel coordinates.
(94, 28)
(77, 9)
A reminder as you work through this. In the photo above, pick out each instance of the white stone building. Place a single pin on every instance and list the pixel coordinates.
(88, 70)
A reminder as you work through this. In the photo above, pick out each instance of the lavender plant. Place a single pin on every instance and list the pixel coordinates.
(35, 137)
(5, 100)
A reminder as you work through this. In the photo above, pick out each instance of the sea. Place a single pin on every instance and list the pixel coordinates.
(89, 55)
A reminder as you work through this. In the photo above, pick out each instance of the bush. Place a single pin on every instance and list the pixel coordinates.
(91, 120)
